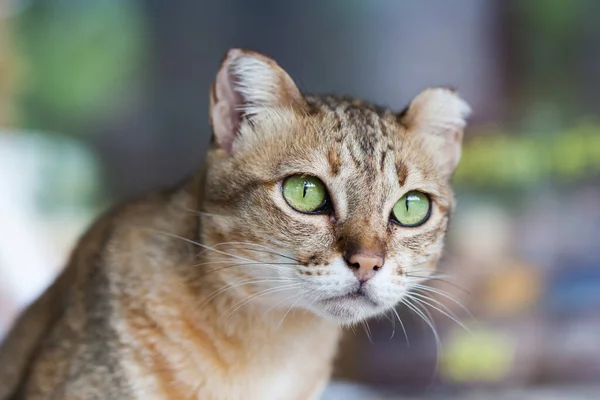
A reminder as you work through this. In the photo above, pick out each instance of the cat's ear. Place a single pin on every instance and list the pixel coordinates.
(247, 84)
(441, 115)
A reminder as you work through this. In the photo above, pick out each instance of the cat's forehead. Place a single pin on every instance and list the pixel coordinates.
(355, 119)
(362, 134)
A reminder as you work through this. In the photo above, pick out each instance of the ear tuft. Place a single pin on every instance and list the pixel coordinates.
(247, 84)
(441, 115)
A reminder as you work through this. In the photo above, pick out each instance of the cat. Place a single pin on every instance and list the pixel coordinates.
(311, 213)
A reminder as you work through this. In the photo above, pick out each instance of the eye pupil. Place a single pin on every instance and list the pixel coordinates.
(304, 189)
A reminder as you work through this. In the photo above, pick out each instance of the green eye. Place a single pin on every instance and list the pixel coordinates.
(412, 209)
(304, 193)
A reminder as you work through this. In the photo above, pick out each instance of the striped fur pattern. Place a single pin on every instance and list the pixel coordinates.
(217, 289)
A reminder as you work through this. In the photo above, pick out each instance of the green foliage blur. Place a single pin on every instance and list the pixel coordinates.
(82, 61)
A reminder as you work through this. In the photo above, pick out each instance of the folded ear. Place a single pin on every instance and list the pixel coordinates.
(247, 85)
(439, 114)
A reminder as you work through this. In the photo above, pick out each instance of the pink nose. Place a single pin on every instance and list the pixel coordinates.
(365, 265)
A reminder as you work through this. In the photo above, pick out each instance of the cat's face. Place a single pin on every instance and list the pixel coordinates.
(329, 204)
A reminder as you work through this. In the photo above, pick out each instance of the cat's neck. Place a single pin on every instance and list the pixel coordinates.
(235, 329)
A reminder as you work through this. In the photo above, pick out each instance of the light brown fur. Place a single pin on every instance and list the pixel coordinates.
(182, 295)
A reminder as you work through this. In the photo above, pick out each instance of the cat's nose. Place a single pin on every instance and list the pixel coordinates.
(365, 265)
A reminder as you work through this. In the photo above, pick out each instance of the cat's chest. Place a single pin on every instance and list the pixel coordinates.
(289, 365)
(282, 383)
(295, 369)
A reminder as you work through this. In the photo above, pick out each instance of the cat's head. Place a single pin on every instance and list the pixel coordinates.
(325, 203)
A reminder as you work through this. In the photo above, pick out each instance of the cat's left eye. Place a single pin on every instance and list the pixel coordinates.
(306, 194)
(413, 209)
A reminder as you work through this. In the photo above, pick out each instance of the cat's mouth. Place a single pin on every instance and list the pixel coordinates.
(357, 295)
(356, 305)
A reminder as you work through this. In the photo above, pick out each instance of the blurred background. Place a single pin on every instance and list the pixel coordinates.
(101, 100)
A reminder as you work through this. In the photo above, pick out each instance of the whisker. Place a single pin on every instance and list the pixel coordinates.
(449, 283)
(198, 212)
(417, 292)
(420, 313)
(315, 299)
(402, 325)
(304, 293)
(268, 250)
(238, 284)
(367, 330)
(453, 318)
(443, 294)
(439, 342)
(393, 322)
(431, 272)
(279, 302)
(256, 264)
(248, 299)
(193, 392)
(273, 253)
(429, 321)
(223, 261)
(199, 244)
(436, 278)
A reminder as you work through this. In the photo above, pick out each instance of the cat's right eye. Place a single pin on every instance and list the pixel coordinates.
(305, 194)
